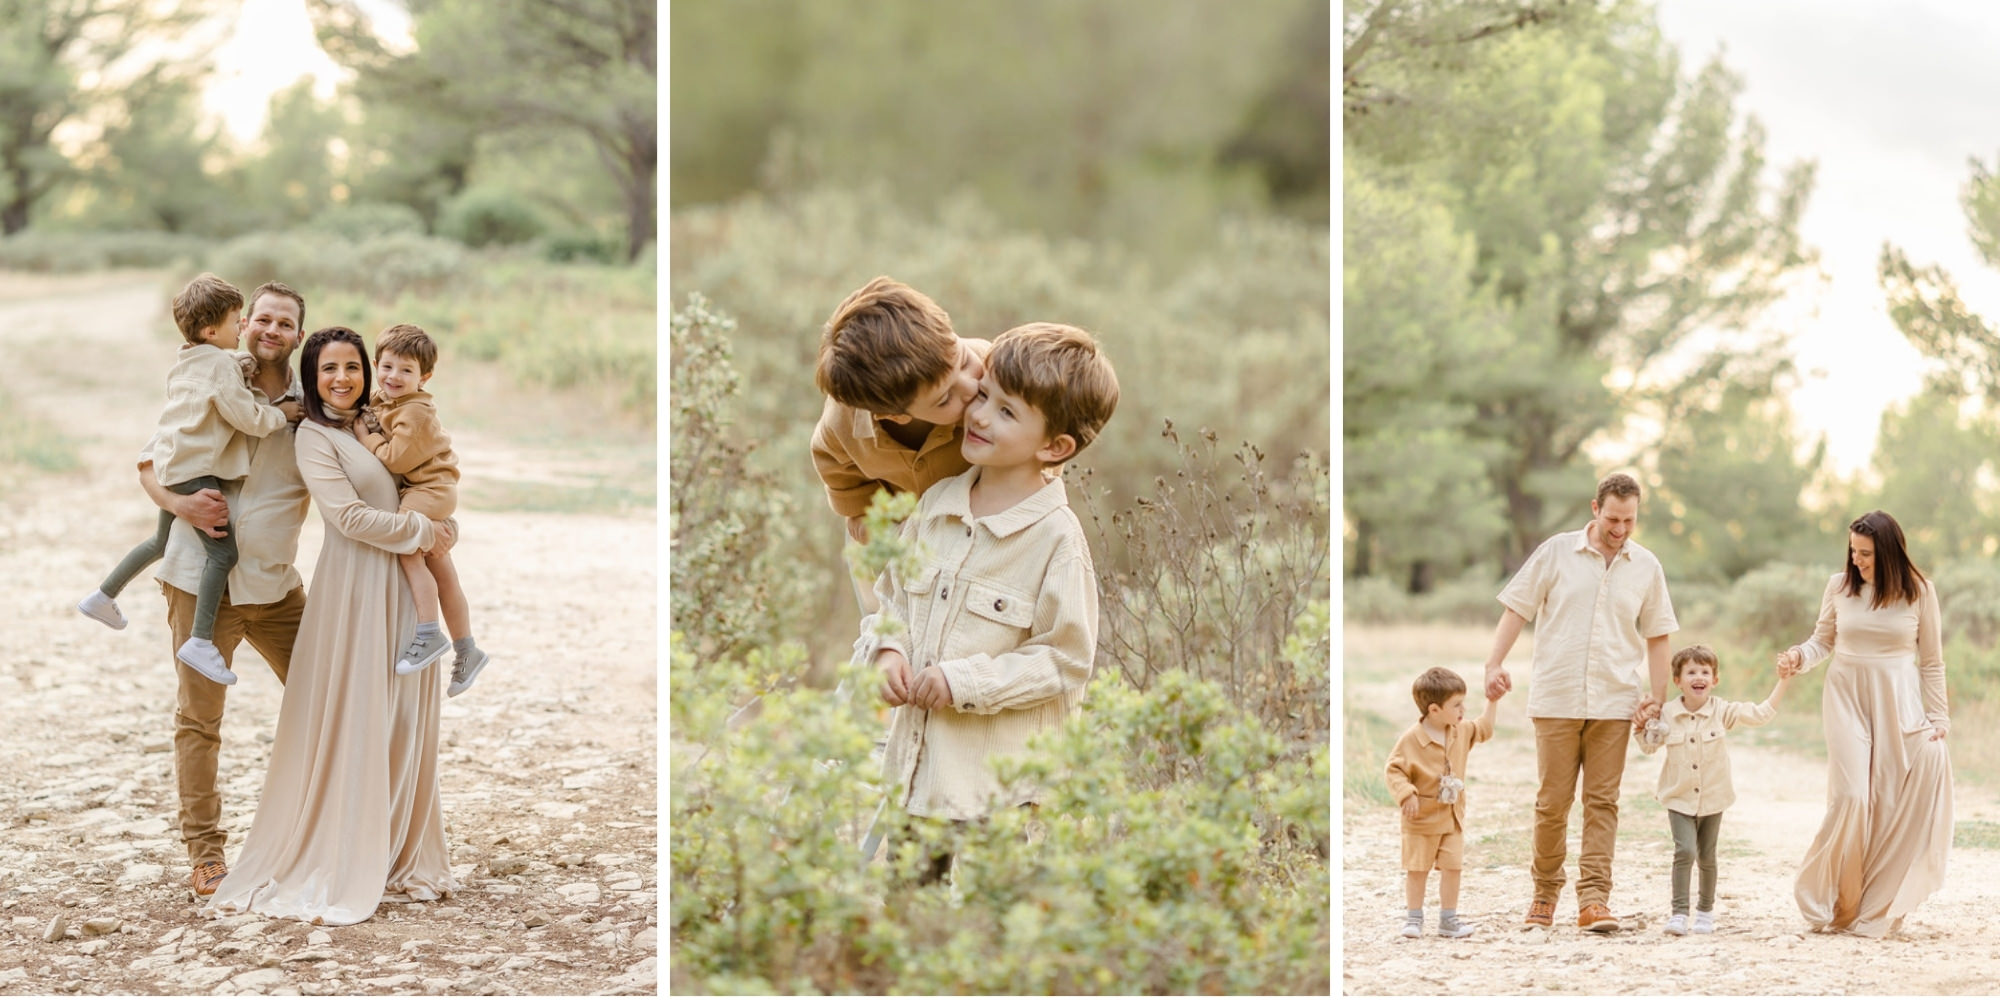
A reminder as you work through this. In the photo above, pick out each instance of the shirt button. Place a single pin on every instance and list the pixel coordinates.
(1000, 605)
(968, 531)
(944, 592)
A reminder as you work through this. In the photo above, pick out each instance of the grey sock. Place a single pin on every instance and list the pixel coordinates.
(463, 647)
(426, 630)
(1416, 915)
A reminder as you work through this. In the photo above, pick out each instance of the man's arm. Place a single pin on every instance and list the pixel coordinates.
(205, 509)
(1658, 672)
(1497, 681)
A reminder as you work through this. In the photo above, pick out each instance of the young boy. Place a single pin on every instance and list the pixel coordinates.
(1694, 778)
(401, 427)
(1000, 625)
(199, 443)
(1426, 776)
(897, 380)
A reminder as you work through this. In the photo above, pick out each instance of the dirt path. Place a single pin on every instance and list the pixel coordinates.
(549, 762)
(1761, 945)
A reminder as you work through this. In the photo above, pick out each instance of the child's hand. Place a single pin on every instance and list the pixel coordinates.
(1410, 807)
(292, 410)
(369, 420)
(931, 689)
(895, 676)
(857, 529)
(247, 365)
(1789, 662)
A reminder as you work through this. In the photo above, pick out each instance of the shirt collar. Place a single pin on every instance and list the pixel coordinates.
(1424, 733)
(1583, 544)
(955, 500)
(1707, 708)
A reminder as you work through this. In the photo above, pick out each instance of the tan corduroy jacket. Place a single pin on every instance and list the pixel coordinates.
(415, 448)
(1006, 607)
(1694, 779)
(208, 413)
(855, 456)
(1418, 762)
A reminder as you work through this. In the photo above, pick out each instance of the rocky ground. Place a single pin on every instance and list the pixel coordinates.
(1761, 946)
(550, 788)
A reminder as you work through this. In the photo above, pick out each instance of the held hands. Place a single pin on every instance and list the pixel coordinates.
(895, 677)
(1790, 662)
(931, 689)
(1647, 711)
(1498, 682)
(442, 538)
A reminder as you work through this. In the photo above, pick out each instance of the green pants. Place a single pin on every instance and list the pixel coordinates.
(221, 554)
(1694, 845)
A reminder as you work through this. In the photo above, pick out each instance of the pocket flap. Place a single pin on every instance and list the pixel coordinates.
(1008, 607)
(923, 582)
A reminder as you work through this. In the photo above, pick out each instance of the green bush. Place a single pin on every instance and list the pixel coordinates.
(583, 246)
(485, 216)
(1374, 600)
(361, 220)
(382, 266)
(1777, 604)
(69, 252)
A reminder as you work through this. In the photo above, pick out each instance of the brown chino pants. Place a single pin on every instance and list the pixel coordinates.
(269, 629)
(1565, 748)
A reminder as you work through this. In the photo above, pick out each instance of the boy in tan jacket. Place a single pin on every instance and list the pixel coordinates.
(897, 380)
(400, 425)
(1426, 777)
(999, 626)
(199, 443)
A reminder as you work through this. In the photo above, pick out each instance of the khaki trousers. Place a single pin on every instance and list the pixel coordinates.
(1565, 748)
(269, 629)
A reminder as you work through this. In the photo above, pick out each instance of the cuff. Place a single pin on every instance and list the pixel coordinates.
(967, 694)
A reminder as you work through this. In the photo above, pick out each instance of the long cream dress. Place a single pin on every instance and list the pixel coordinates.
(349, 813)
(1881, 848)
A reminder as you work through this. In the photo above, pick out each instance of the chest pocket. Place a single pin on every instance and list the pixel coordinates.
(995, 619)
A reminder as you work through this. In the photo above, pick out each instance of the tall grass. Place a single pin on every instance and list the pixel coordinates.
(32, 442)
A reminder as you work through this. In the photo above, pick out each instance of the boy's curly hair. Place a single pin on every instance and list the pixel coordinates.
(884, 343)
(408, 340)
(1697, 653)
(205, 302)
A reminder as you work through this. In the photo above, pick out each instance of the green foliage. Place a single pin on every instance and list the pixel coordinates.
(734, 537)
(1366, 739)
(1937, 455)
(1775, 605)
(485, 216)
(1619, 214)
(383, 266)
(55, 251)
(358, 221)
(1213, 573)
(1180, 847)
(32, 442)
(1731, 479)
(581, 246)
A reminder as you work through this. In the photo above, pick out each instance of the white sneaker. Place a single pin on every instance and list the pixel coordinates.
(1413, 927)
(1455, 929)
(202, 655)
(1677, 924)
(102, 608)
(1704, 921)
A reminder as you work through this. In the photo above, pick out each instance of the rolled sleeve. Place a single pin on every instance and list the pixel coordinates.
(1524, 594)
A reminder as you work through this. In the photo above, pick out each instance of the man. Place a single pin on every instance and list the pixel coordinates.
(265, 596)
(1603, 611)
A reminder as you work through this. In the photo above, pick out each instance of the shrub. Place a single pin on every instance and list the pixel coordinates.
(68, 252)
(1777, 604)
(361, 220)
(1211, 574)
(1374, 600)
(583, 246)
(484, 216)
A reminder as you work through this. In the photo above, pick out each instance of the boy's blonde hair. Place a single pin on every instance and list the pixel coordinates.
(410, 341)
(204, 303)
(1435, 687)
(884, 344)
(1697, 653)
(1061, 372)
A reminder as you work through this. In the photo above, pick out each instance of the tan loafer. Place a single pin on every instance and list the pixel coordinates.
(1541, 914)
(206, 876)
(1596, 917)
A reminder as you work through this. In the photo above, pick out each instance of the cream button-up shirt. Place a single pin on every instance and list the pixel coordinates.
(1591, 625)
(1694, 778)
(1006, 607)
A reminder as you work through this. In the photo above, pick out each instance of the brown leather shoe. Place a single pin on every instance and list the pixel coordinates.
(1596, 917)
(206, 876)
(1541, 914)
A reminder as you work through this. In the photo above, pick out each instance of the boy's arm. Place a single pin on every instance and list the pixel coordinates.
(1741, 713)
(411, 438)
(1055, 658)
(234, 403)
(847, 490)
(1397, 777)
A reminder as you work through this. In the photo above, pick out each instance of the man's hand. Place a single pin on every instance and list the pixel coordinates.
(1410, 807)
(1498, 682)
(292, 410)
(931, 689)
(895, 676)
(206, 510)
(857, 529)
(1647, 711)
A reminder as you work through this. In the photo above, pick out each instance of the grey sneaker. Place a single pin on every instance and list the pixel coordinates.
(421, 653)
(206, 660)
(1413, 927)
(1454, 929)
(101, 608)
(463, 670)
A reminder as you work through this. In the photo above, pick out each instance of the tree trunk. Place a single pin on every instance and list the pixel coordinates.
(1422, 575)
(641, 170)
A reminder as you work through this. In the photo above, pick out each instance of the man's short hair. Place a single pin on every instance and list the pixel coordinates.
(1617, 484)
(1435, 687)
(281, 289)
(408, 340)
(884, 344)
(1697, 653)
(204, 303)
(1061, 372)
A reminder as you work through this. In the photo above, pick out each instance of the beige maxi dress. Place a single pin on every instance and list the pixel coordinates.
(1881, 848)
(349, 813)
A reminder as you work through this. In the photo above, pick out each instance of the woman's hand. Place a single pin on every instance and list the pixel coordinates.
(445, 538)
(1790, 662)
(1939, 732)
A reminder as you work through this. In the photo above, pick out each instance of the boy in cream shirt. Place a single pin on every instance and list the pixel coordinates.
(1694, 778)
(1000, 624)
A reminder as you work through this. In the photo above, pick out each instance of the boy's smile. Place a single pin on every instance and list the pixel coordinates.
(1696, 680)
(1001, 429)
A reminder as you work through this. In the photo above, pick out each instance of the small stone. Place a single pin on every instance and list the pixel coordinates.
(507, 864)
(173, 935)
(102, 925)
(319, 938)
(535, 919)
(142, 874)
(56, 929)
(647, 940)
(96, 947)
(258, 980)
(440, 987)
(569, 861)
(156, 746)
(580, 893)
(517, 963)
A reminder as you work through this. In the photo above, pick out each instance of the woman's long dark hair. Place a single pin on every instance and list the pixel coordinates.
(1896, 580)
(309, 369)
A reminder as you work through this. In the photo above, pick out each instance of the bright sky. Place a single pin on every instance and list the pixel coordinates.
(1891, 99)
(273, 45)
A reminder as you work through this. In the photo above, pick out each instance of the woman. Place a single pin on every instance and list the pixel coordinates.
(349, 813)
(1881, 848)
